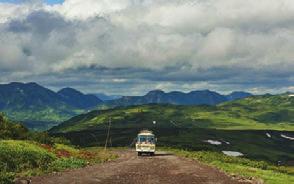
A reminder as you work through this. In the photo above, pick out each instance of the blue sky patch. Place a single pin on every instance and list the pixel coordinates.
(21, 1)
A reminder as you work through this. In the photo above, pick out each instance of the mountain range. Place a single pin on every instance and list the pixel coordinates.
(77, 99)
(41, 108)
(106, 97)
(203, 97)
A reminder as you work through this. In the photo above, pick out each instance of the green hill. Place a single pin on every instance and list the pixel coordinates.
(267, 108)
(242, 125)
(252, 113)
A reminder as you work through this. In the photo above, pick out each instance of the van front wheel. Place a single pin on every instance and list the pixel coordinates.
(139, 153)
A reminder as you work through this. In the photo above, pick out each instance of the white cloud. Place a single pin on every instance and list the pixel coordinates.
(204, 43)
(81, 9)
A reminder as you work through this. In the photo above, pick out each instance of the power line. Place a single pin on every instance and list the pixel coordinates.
(109, 124)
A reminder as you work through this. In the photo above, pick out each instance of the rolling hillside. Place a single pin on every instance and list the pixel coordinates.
(247, 126)
(268, 112)
(270, 109)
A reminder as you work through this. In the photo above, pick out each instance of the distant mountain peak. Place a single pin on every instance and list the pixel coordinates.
(15, 83)
(69, 90)
(78, 99)
(155, 92)
(238, 95)
(22, 84)
(18, 98)
(32, 84)
(202, 91)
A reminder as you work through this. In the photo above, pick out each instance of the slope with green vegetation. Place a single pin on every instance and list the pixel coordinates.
(270, 109)
(26, 153)
(269, 112)
(27, 158)
(14, 130)
(11, 130)
(237, 125)
(262, 171)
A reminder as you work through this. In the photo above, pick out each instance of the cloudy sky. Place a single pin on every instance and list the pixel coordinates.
(129, 47)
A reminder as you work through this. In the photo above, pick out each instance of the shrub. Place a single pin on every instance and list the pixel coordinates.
(6, 177)
(16, 156)
(27, 158)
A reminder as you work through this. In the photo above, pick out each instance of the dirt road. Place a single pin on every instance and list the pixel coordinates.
(131, 169)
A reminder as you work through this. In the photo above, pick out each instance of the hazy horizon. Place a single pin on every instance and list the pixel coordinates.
(143, 93)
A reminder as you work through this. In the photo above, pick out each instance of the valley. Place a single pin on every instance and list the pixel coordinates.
(40, 108)
(247, 132)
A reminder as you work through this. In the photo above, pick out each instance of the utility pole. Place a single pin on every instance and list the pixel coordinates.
(109, 124)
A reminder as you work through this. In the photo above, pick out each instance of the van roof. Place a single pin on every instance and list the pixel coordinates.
(145, 132)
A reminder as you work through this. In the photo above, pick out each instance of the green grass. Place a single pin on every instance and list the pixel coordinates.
(28, 158)
(67, 163)
(244, 123)
(270, 174)
(30, 155)
(252, 113)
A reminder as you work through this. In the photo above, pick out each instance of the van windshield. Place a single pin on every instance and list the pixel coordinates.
(146, 138)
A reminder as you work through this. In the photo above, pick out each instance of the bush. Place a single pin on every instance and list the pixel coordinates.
(9, 130)
(27, 158)
(6, 177)
(17, 156)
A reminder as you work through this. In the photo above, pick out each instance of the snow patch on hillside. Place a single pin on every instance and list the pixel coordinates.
(233, 153)
(213, 142)
(287, 137)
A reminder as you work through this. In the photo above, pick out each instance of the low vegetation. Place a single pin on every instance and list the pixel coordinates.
(13, 130)
(253, 126)
(270, 174)
(268, 112)
(20, 158)
(27, 153)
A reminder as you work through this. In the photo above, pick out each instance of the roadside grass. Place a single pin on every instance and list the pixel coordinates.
(28, 158)
(244, 167)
